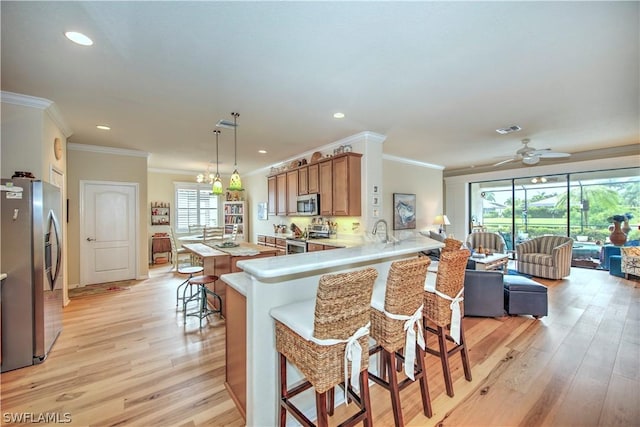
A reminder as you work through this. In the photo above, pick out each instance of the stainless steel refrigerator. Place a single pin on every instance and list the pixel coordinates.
(31, 295)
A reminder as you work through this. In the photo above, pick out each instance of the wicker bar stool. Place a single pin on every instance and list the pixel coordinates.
(445, 309)
(451, 244)
(324, 345)
(191, 270)
(200, 296)
(396, 324)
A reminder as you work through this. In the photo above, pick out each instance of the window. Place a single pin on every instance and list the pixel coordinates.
(195, 204)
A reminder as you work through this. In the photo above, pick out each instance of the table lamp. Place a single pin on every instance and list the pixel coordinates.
(441, 220)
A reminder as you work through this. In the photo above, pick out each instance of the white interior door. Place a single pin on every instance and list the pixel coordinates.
(108, 232)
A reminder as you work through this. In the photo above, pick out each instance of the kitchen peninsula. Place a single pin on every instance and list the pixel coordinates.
(270, 282)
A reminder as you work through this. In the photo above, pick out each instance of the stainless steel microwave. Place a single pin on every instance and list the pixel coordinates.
(309, 204)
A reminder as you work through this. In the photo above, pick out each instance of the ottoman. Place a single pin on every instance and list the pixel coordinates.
(524, 296)
(615, 266)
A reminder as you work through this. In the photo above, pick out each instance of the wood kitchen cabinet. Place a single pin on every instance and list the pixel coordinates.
(281, 194)
(292, 192)
(303, 181)
(272, 195)
(346, 185)
(325, 175)
(313, 185)
(336, 179)
(313, 247)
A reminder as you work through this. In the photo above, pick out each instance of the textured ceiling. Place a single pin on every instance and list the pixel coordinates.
(436, 78)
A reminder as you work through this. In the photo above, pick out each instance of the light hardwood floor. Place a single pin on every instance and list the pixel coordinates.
(125, 358)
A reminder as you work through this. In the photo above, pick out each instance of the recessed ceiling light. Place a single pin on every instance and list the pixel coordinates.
(338, 115)
(103, 127)
(78, 38)
(262, 151)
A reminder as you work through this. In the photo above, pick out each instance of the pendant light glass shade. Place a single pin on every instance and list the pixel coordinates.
(235, 184)
(217, 182)
(217, 185)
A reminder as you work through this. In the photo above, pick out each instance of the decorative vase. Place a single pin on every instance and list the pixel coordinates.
(625, 227)
(617, 237)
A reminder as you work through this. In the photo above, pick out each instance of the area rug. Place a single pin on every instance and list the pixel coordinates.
(100, 288)
(512, 272)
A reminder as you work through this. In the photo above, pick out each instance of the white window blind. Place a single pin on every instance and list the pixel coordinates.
(195, 204)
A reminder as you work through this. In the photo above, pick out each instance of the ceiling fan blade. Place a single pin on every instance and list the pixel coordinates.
(553, 154)
(504, 161)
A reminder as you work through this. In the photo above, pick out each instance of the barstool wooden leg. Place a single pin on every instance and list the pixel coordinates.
(331, 403)
(321, 408)
(424, 385)
(444, 358)
(283, 390)
(465, 355)
(365, 398)
(393, 387)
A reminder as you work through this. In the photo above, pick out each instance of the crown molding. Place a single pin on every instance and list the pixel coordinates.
(173, 171)
(411, 162)
(107, 150)
(46, 105)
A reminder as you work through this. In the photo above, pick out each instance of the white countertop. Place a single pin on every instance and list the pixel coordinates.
(269, 268)
(238, 281)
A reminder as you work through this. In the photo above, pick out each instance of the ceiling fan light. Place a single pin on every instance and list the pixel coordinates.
(530, 160)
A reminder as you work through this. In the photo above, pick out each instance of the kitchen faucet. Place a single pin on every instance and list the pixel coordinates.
(386, 229)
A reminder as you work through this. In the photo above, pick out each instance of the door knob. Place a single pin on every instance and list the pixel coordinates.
(89, 239)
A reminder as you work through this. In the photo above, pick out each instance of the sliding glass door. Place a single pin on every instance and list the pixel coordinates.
(579, 205)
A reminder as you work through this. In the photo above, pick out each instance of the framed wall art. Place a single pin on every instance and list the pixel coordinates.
(404, 211)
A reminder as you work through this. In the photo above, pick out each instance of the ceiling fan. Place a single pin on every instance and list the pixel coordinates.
(531, 156)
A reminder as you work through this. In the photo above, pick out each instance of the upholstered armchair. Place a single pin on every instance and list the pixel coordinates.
(546, 256)
(630, 260)
(492, 241)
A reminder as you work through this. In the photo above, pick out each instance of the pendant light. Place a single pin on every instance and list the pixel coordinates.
(235, 184)
(217, 182)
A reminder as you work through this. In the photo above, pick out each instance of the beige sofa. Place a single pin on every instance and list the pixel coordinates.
(546, 256)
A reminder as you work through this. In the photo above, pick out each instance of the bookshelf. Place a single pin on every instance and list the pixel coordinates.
(235, 215)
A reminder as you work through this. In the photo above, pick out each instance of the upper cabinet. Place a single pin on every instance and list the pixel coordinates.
(292, 192)
(272, 195)
(336, 179)
(347, 186)
(326, 187)
(313, 185)
(281, 194)
(303, 181)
